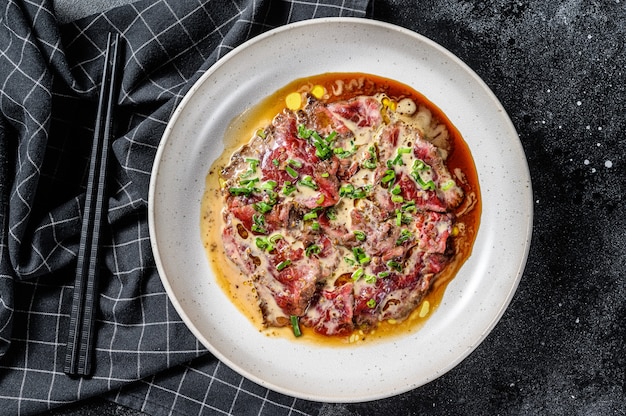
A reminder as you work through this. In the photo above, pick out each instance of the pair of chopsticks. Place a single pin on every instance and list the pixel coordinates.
(79, 349)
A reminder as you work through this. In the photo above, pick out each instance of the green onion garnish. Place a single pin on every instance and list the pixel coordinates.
(447, 185)
(264, 243)
(360, 235)
(295, 325)
(357, 274)
(312, 249)
(370, 279)
(283, 264)
(371, 303)
(390, 176)
(262, 207)
(259, 224)
(405, 235)
(268, 185)
(309, 216)
(308, 182)
(294, 163)
(360, 256)
(288, 188)
(291, 172)
(394, 265)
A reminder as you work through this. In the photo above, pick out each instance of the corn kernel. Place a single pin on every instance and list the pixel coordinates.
(425, 308)
(293, 101)
(318, 91)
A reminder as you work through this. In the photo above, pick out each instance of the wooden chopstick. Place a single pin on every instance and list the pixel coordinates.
(79, 349)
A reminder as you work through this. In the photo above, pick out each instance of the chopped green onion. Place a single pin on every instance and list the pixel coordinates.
(291, 172)
(303, 132)
(264, 243)
(315, 226)
(322, 145)
(320, 200)
(248, 183)
(309, 216)
(308, 182)
(390, 176)
(357, 274)
(409, 207)
(238, 191)
(343, 153)
(275, 162)
(325, 175)
(259, 224)
(274, 239)
(396, 190)
(419, 165)
(447, 185)
(350, 261)
(312, 249)
(261, 133)
(401, 218)
(394, 265)
(371, 162)
(294, 163)
(382, 275)
(427, 186)
(268, 185)
(254, 163)
(288, 188)
(398, 199)
(360, 256)
(262, 207)
(348, 190)
(371, 303)
(331, 213)
(370, 279)
(360, 235)
(405, 235)
(283, 264)
(295, 325)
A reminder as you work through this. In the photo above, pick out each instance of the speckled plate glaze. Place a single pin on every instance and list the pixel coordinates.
(473, 302)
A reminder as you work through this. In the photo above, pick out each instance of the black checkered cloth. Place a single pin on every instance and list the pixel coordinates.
(145, 356)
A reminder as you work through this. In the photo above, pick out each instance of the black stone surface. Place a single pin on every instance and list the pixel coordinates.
(558, 69)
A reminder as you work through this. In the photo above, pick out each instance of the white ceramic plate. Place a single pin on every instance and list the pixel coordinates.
(473, 302)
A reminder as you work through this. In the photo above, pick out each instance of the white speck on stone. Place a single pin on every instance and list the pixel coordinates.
(593, 170)
(600, 128)
(589, 36)
(586, 162)
(608, 164)
(588, 127)
(599, 144)
(579, 103)
(577, 320)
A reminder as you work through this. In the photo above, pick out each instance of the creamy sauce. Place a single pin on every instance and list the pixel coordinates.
(341, 87)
